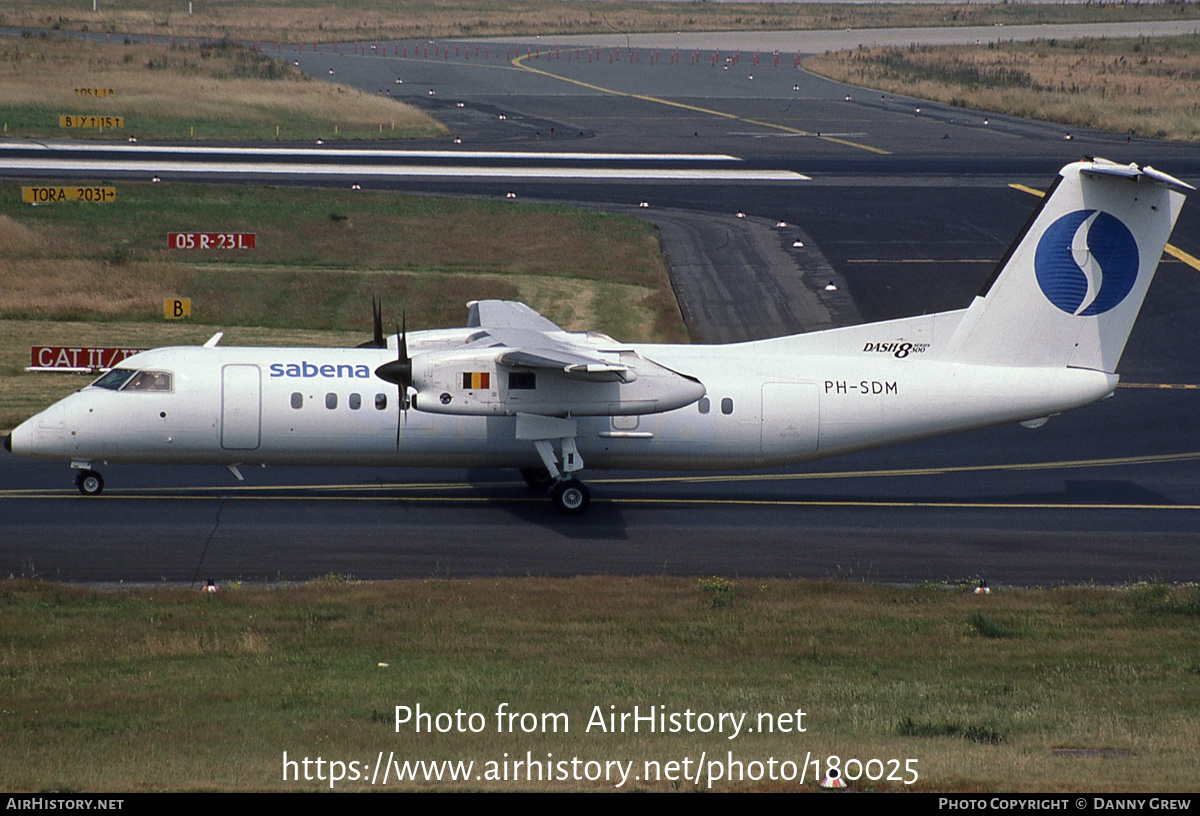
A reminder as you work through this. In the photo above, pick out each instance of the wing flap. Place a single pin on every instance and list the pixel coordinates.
(568, 363)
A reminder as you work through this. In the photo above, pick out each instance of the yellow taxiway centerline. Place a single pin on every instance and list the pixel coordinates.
(714, 501)
(519, 62)
(272, 491)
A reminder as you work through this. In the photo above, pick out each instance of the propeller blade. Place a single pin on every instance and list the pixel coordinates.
(402, 348)
(399, 373)
(377, 340)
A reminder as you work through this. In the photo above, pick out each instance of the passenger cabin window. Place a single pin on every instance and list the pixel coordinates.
(727, 406)
(355, 402)
(381, 402)
(297, 399)
(703, 405)
(331, 401)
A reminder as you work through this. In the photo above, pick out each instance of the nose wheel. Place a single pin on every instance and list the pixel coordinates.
(571, 496)
(89, 482)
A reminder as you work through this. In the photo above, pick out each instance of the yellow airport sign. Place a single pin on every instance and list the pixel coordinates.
(177, 308)
(50, 195)
(88, 121)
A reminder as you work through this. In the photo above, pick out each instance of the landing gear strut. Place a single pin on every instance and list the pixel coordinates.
(89, 482)
(569, 495)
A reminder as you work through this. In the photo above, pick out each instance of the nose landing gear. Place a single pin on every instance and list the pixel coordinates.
(89, 482)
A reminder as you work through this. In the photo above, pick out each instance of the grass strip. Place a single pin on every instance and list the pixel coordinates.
(318, 256)
(185, 92)
(311, 20)
(1091, 689)
(1138, 86)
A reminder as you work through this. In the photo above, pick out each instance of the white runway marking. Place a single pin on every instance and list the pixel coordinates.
(482, 155)
(397, 170)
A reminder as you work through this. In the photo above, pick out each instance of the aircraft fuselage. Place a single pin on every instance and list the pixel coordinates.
(312, 406)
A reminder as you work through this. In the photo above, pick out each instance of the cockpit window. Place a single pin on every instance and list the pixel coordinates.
(123, 379)
(114, 379)
(149, 381)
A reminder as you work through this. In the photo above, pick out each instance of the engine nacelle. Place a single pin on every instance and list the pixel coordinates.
(475, 382)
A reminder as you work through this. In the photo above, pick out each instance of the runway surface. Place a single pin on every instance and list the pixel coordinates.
(999, 504)
(905, 211)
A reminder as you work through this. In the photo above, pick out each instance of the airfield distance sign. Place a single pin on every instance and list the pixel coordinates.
(50, 195)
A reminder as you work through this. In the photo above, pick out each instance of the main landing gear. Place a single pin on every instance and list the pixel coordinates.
(538, 478)
(569, 495)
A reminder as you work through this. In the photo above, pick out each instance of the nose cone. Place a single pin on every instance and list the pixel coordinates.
(40, 435)
(18, 441)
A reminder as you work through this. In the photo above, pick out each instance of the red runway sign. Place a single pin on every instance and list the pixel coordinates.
(210, 240)
(77, 358)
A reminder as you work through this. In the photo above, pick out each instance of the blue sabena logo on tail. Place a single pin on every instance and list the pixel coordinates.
(1086, 262)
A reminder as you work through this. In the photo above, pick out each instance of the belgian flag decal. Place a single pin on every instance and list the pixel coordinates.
(476, 380)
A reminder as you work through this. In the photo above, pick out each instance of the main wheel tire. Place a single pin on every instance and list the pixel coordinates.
(537, 478)
(90, 483)
(571, 497)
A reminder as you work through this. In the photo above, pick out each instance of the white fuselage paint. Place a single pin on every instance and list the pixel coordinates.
(763, 409)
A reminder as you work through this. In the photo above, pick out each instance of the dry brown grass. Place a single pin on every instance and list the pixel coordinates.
(221, 92)
(1138, 86)
(18, 239)
(308, 20)
(90, 287)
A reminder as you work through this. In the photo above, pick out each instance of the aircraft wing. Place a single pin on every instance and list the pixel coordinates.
(511, 361)
(530, 338)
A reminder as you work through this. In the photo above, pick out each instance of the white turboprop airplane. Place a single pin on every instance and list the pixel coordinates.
(512, 389)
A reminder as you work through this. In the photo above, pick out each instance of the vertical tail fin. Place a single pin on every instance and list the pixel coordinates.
(1069, 290)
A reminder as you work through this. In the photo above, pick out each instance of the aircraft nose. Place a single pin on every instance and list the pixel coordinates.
(40, 435)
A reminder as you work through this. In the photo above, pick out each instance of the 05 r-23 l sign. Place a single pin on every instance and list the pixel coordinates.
(210, 240)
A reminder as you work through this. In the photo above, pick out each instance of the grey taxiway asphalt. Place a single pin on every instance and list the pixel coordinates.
(905, 208)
